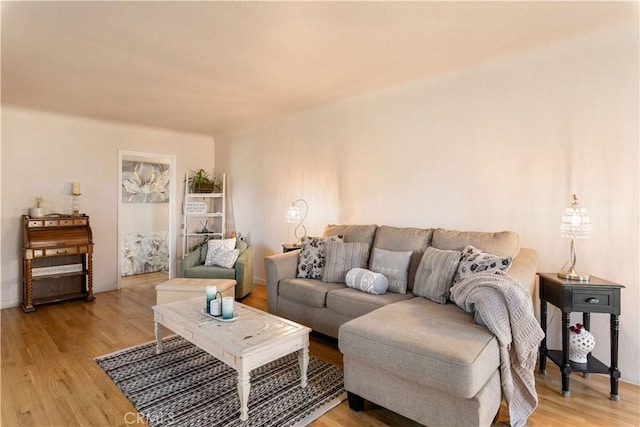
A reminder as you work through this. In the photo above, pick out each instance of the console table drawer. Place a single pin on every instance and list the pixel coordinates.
(592, 301)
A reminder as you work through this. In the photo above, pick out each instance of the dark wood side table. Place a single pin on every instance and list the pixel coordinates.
(288, 247)
(595, 296)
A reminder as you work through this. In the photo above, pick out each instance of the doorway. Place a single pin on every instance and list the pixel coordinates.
(146, 206)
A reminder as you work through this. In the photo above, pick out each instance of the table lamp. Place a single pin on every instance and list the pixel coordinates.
(293, 216)
(575, 224)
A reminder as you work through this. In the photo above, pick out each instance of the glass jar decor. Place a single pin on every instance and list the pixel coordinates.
(581, 342)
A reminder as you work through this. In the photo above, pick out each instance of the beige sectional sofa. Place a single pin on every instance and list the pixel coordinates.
(427, 361)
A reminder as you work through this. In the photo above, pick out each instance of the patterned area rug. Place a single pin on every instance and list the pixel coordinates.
(185, 386)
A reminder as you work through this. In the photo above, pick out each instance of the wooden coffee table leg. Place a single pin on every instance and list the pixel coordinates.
(158, 331)
(243, 390)
(303, 359)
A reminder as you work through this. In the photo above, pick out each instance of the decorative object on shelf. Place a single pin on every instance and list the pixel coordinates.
(75, 202)
(37, 212)
(293, 216)
(581, 342)
(144, 182)
(575, 224)
(201, 182)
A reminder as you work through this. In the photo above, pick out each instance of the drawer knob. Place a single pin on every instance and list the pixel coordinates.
(592, 300)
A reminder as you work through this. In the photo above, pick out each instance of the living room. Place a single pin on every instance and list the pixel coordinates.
(495, 143)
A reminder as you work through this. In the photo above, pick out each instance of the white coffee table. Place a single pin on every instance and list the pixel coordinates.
(252, 340)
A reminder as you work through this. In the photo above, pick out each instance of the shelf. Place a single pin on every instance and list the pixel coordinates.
(593, 365)
(205, 215)
(202, 234)
(196, 195)
(59, 275)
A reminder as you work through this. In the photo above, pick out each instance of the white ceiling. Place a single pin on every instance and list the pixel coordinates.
(211, 67)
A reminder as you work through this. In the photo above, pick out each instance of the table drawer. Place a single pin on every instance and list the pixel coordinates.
(61, 251)
(592, 300)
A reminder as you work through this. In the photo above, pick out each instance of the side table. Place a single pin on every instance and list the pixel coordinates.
(595, 296)
(288, 247)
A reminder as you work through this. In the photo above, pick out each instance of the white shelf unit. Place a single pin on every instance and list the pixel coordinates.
(195, 217)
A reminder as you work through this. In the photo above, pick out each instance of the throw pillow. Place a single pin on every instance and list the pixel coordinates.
(435, 274)
(394, 265)
(216, 243)
(367, 281)
(342, 257)
(312, 256)
(473, 260)
(224, 257)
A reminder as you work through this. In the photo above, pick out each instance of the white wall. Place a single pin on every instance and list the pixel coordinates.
(43, 153)
(500, 146)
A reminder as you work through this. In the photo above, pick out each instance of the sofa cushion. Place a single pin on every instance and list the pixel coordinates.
(503, 243)
(394, 265)
(435, 274)
(309, 292)
(353, 303)
(435, 345)
(367, 281)
(342, 257)
(352, 233)
(405, 239)
(474, 261)
(312, 258)
(208, 271)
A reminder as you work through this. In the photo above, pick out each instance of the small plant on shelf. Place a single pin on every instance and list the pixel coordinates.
(201, 182)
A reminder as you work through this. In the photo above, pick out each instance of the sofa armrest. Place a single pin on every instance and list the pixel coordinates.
(190, 260)
(278, 267)
(524, 268)
(244, 272)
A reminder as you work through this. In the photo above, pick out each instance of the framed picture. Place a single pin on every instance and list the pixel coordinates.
(144, 182)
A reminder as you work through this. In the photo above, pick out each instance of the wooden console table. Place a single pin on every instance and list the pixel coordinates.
(595, 296)
(57, 259)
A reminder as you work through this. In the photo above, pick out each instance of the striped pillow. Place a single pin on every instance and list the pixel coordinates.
(435, 274)
(342, 257)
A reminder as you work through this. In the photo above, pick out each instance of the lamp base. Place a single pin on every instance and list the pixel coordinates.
(573, 275)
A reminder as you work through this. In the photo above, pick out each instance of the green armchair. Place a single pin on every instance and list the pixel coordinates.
(242, 272)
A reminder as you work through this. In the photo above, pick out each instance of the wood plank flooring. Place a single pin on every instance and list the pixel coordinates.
(49, 378)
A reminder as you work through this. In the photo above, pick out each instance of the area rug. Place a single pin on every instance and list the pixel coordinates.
(185, 386)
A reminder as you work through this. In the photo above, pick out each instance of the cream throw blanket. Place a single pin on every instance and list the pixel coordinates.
(506, 309)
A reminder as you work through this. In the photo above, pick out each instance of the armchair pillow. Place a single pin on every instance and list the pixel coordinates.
(223, 256)
(394, 265)
(435, 274)
(213, 244)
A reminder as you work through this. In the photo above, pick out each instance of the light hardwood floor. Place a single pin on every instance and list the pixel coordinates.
(49, 377)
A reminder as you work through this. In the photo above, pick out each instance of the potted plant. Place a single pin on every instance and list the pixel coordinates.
(37, 212)
(201, 182)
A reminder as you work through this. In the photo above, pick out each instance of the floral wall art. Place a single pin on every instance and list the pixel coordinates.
(144, 182)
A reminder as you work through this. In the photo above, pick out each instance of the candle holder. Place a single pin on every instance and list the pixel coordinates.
(75, 204)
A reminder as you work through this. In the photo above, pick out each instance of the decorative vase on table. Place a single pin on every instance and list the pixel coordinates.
(581, 342)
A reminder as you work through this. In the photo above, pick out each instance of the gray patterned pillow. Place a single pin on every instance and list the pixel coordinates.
(342, 257)
(435, 274)
(311, 260)
(473, 260)
(223, 256)
(214, 244)
(394, 265)
(367, 281)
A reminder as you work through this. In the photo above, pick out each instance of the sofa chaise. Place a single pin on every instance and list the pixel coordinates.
(431, 362)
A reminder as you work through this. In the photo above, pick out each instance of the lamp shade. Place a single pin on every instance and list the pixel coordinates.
(575, 223)
(293, 214)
